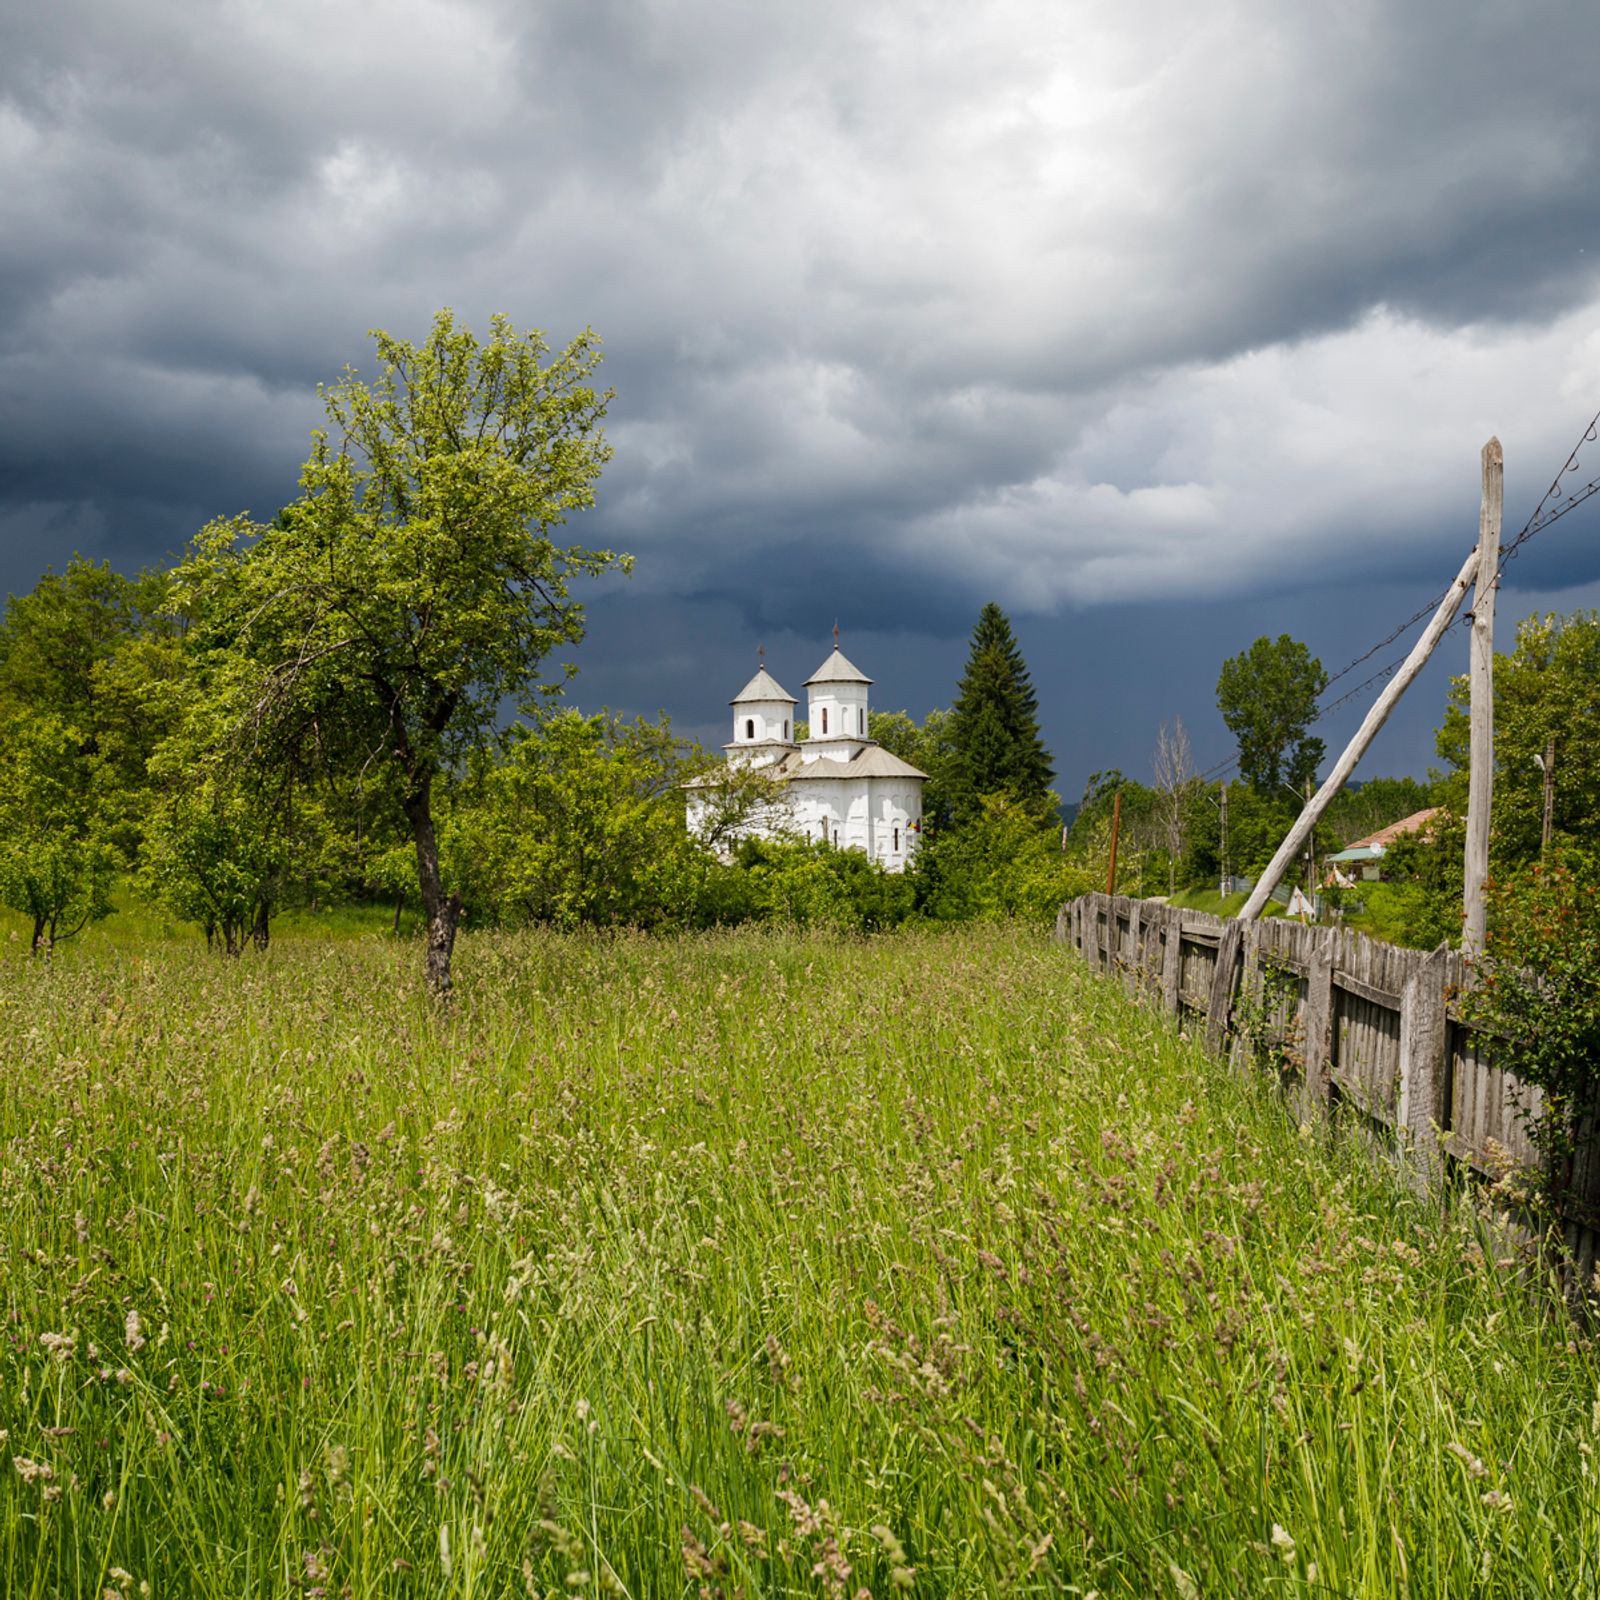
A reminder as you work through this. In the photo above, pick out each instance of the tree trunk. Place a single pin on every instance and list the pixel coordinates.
(399, 906)
(38, 934)
(440, 912)
(261, 933)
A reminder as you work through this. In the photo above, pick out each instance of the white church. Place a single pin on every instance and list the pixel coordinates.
(838, 785)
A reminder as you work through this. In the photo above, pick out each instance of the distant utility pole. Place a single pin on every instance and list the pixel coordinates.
(1480, 778)
(1116, 821)
(1311, 852)
(1227, 881)
(1547, 765)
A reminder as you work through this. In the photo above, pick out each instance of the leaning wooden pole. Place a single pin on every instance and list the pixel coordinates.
(1365, 734)
(1480, 779)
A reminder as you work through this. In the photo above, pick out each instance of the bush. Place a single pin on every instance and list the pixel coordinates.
(809, 884)
(1006, 862)
(1538, 991)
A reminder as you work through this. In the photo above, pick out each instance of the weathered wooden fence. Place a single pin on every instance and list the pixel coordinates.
(1353, 1020)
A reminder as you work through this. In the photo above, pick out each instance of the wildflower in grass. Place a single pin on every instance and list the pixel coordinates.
(133, 1332)
(901, 1573)
(33, 1471)
(61, 1346)
(1475, 1467)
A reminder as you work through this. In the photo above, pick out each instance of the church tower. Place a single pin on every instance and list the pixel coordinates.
(763, 720)
(836, 709)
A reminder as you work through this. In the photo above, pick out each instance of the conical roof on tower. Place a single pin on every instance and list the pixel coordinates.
(763, 687)
(837, 669)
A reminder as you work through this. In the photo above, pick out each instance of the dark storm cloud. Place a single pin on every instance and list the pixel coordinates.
(1196, 316)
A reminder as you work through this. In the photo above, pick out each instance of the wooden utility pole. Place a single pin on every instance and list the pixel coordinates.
(1227, 881)
(1365, 734)
(1111, 866)
(1547, 763)
(1480, 777)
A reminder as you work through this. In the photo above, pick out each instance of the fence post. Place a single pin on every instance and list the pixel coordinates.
(1223, 980)
(1421, 1107)
(1319, 1019)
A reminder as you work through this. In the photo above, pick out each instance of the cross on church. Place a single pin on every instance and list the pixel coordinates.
(836, 636)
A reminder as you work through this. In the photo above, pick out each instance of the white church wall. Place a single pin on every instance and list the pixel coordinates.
(837, 710)
(759, 722)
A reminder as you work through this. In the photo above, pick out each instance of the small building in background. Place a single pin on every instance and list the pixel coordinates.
(1362, 860)
(837, 785)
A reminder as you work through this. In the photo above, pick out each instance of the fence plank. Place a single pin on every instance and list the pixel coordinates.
(1172, 960)
(1219, 1007)
(1319, 1020)
(1424, 1102)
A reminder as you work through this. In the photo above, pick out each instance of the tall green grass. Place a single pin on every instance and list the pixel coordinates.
(750, 1264)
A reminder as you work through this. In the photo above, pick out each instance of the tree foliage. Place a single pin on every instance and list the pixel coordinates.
(1268, 697)
(580, 825)
(56, 866)
(1000, 863)
(1537, 993)
(1547, 687)
(995, 748)
(414, 586)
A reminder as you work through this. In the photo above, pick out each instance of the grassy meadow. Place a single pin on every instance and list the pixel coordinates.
(755, 1264)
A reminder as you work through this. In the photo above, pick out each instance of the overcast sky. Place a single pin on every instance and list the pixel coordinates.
(1164, 325)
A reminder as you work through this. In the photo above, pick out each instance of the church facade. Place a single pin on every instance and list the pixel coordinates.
(837, 784)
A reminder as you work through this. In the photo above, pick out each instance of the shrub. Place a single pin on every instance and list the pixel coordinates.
(1538, 992)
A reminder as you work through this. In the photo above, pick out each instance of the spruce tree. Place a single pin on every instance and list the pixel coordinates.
(995, 743)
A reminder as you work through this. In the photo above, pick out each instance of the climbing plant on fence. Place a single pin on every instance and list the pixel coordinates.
(1538, 993)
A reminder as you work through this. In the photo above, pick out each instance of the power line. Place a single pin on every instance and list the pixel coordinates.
(1404, 628)
(1552, 506)
(1547, 512)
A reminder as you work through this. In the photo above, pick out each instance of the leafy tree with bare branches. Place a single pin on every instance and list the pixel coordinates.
(1175, 777)
(414, 586)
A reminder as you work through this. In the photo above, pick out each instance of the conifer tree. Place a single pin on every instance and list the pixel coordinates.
(994, 734)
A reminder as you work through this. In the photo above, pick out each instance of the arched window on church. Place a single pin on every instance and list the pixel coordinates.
(786, 730)
(749, 727)
(861, 719)
(824, 719)
(897, 840)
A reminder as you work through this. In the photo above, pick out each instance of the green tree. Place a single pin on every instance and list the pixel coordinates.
(1548, 687)
(55, 866)
(995, 748)
(414, 586)
(1268, 697)
(98, 653)
(581, 825)
(218, 856)
(1538, 994)
(999, 864)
